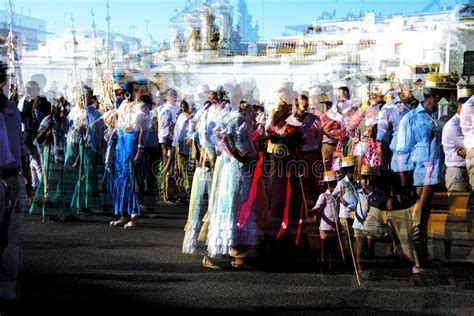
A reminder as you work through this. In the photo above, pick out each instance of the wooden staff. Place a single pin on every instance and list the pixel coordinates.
(307, 216)
(340, 241)
(352, 254)
(177, 171)
(338, 235)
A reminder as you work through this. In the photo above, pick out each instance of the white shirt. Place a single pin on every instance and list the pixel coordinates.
(453, 139)
(131, 116)
(467, 123)
(327, 207)
(181, 128)
(166, 120)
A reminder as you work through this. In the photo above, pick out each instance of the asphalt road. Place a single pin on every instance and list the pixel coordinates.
(77, 267)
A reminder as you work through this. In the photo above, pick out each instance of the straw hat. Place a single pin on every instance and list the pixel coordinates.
(464, 91)
(349, 161)
(436, 80)
(368, 171)
(330, 176)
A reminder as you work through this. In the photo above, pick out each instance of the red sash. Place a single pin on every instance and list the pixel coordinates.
(247, 205)
(286, 211)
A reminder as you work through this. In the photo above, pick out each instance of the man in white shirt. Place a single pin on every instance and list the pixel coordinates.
(453, 146)
(166, 121)
(467, 126)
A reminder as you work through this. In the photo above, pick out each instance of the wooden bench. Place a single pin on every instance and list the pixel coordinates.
(451, 213)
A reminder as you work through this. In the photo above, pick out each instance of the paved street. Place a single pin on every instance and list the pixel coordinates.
(77, 266)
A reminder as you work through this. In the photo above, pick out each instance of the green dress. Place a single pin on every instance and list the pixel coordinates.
(87, 189)
(50, 197)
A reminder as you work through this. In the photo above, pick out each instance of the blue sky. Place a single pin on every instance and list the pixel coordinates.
(272, 15)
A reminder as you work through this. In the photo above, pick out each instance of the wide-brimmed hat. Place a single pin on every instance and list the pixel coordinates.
(329, 176)
(368, 171)
(435, 80)
(349, 161)
(203, 88)
(464, 91)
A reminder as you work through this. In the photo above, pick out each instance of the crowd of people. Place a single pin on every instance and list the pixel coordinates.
(332, 176)
(327, 175)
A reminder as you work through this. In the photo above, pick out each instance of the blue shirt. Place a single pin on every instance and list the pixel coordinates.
(346, 192)
(389, 119)
(215, 122)
(95, 134)
(57, 141)
(150, 134)
(420, 137)
(376, 199)
(388, 122)
(240, 131)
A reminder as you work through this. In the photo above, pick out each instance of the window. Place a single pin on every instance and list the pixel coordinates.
(398, 48)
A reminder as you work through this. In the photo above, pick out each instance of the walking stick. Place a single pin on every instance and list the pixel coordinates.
(177, 171)
(166, 166)
(352, 253)
(340, 242)
(339, 237)
(307, 217)
(350, 242)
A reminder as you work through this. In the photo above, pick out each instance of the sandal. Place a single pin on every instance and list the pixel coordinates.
(208, 264)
